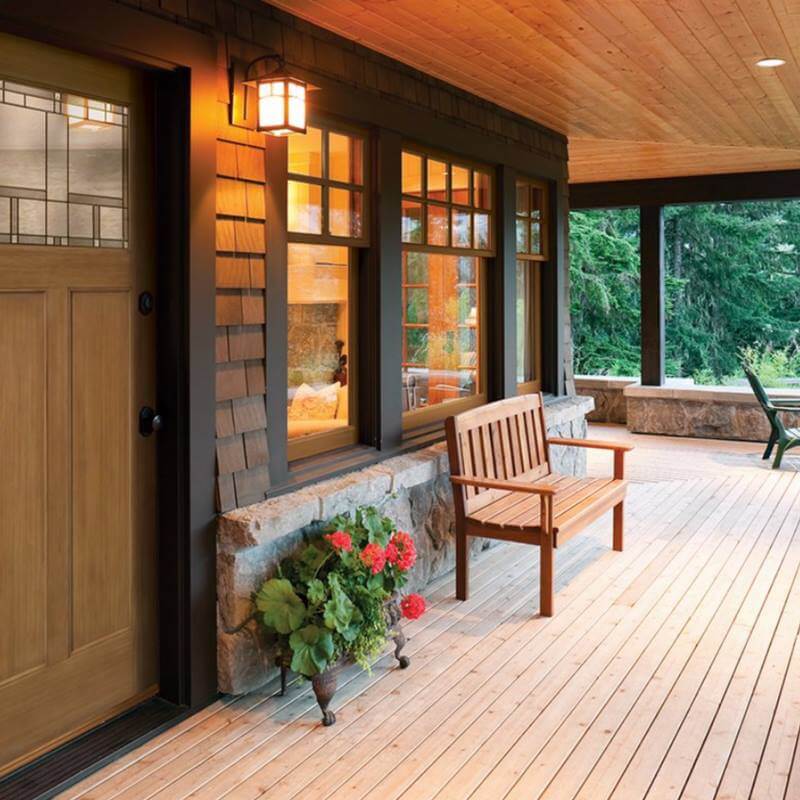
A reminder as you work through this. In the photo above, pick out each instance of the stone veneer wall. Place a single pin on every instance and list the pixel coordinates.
(706, 412)
(608, 395)
(413, 489)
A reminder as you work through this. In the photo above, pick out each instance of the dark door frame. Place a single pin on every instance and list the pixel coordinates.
(182, 66)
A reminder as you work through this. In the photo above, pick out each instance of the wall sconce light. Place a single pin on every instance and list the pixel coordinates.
(280, 107)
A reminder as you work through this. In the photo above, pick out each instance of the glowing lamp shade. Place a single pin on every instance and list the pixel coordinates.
(281, 105)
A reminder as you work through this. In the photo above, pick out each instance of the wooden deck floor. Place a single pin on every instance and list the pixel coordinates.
(670, 670)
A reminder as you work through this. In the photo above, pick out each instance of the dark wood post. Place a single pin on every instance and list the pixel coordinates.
(651, 228)
(502, 330)
(277, 301)
(381, 339)
(554, 291)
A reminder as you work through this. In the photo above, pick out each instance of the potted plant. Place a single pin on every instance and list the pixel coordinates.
(337, 600)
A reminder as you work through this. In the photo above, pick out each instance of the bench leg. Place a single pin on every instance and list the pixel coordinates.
(619, 526)
(546, 577)
(462, 566)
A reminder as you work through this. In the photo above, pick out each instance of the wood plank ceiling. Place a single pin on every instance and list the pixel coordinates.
(643, 88)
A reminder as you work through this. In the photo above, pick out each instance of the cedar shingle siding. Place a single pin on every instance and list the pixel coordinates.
(246, 29)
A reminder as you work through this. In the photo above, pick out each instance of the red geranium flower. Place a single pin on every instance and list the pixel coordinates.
(392, 553)
(340, 540)
(406, 551)
(374, 557)
(412, 606)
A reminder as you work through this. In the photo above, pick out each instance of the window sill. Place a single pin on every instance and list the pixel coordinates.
(335, 463)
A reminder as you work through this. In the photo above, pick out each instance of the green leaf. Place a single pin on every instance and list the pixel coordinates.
(316, 591)
(339, 609)
(309, 561)
(312, 650)
(375, 584)
(282, 609)
(373, 522)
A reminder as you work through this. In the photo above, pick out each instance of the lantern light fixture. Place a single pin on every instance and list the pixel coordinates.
(281, 98)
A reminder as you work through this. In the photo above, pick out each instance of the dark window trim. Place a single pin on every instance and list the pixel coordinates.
(329, 124)
(382, 432)
(183, 65)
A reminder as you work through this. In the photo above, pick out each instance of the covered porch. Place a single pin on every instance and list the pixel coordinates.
(306, 312)
(671, 670)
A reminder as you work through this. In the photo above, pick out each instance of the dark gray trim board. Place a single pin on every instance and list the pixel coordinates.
(697, 189)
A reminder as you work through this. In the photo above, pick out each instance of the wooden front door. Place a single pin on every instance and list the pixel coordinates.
(78, 642)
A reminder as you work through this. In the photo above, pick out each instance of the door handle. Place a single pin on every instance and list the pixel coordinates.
(149, 421)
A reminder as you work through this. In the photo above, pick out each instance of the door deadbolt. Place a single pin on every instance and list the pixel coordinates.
(149, 421)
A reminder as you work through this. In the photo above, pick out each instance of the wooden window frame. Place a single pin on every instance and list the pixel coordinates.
(316, 443)
(536, 263)
(419, 418)
(424, 201)
(437, 413)
(327, 127)
(544, 221)
(534, 309)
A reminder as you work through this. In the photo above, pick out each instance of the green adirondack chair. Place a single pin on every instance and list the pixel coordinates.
(784, 437)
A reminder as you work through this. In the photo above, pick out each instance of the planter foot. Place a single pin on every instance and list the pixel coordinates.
(399, 643)
(324, 686)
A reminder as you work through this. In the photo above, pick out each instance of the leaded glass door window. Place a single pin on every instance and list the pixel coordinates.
(63, 168)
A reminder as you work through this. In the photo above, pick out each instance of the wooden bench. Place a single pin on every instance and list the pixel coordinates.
(504, 489)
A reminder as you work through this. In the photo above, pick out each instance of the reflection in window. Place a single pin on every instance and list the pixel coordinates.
(530, 218)
(445, 204)
(318, 339)
(326, 186)
(304, 207)
(527, 308)
(441, 328)
(63, 168)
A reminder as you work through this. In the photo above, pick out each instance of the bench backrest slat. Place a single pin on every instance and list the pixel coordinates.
(506, 440)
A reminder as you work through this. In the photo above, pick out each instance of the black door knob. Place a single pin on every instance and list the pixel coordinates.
(149, 421)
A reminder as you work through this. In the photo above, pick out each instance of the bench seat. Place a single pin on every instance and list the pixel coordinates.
(576, 503)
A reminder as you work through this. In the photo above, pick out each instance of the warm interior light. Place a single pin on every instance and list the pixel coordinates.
(770, 63)
(281, 105)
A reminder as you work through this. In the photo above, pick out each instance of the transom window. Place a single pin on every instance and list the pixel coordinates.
(63, 168)
(446, 204)
(531, 220)
(326, 184)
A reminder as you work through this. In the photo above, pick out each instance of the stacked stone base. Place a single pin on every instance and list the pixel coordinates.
(681, 408)
(414, 490)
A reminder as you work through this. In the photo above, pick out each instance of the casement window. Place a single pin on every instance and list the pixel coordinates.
(531, 244)
(326, 220)
(447, 232)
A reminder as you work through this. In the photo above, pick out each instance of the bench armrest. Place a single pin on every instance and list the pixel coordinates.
(509, 486)
(595, 444)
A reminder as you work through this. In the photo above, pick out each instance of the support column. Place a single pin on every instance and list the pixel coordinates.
(382, 308)
(651, 229)
(555, 298)
(502, 327)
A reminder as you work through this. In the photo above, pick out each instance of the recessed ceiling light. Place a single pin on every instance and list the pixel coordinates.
(770, 63)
